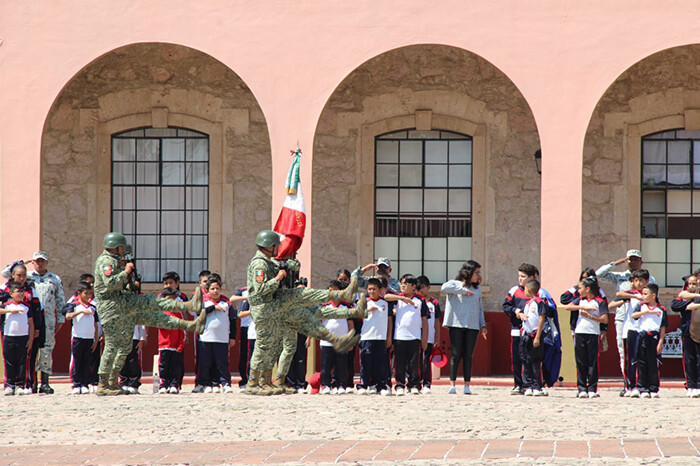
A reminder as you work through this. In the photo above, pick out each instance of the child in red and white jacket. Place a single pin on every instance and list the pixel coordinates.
(171, 345)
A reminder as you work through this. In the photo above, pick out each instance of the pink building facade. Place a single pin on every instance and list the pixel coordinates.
(362, 88)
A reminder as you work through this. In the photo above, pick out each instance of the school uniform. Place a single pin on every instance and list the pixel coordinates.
(82, 339)
(531, 357)
(243, 339)
(171, 345)
(649, 331)
(334, 365)
(408, 325)
(219, 328)
(516, 299)
(434, 312)
(587, 336)
(94, 355)
(374, 367)
(691, 349)
(130, 375)
(15, 338)
(36, 313)
(630, 329)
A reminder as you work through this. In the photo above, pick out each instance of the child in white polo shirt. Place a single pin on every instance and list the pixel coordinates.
(84, 337)
(218, 337)
(652, 328)
(374, 341)
(531, 347)
(410, 335)
(592, 311)
(334, 365)
(17, 339)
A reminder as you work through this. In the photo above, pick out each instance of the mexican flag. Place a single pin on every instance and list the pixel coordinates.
(292, 220)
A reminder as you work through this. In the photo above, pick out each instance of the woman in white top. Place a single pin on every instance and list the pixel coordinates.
(464, 318)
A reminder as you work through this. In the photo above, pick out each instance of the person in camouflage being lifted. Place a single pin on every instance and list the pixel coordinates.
(120, 310)
(275, 310)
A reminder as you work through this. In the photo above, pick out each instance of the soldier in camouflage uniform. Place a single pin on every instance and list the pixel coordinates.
(50, 289)
(274, 308)
(120, 311)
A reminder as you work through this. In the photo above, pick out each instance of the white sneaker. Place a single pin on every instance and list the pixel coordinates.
(340, 391)
(173, 390)
(593, 395)
(133, 390)
(208, 390)
(528, 392)
(362, 391)
(628, 393)
(689, 392)
(582, 395)
(537, 393)
(9, 391)
(326, 391)
(544, 392)
(75, 391)
(635, 393)
(84, 390)
(414, 391)
(373, 390)
(645, 395)
(655, 395)
(400, 392)
(425, 390)
(92, 388)
(301, 390)
(349, 390)
(696, 393)
(216, 389)
(162, 391)
(334, 391)
(228, 389)
(516, 391)
(385, 392)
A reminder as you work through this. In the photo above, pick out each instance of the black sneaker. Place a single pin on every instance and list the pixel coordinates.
(198, 389)
(622, 392)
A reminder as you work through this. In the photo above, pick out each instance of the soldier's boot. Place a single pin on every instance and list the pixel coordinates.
(343, 344)
(253, 385)
(281, 386)
(196, 326)
(114, 384)
(266, 388)
(103, 388)
(45, 387)
(195, 304)
(361, 308)
(348, 294)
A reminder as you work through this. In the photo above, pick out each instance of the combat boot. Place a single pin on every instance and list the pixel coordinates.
(45, 387)
(114, 384)
(361, 308)
(103, 388)
(266, 388)
(348, 294)
(253, 387)
(343, 344)
(281, 386)
(195, 304)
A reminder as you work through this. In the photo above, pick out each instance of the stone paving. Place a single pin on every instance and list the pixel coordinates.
(489, 426)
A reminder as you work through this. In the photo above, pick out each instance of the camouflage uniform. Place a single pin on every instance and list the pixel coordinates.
(50, 289)
(120, 311)
(276, 310)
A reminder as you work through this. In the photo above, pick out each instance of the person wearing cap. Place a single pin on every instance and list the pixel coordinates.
(633, 260)
(52, 297)
(383, 269)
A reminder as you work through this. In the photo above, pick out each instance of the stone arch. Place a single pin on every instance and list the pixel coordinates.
(658, 93)
(152, 85)
(427, 87)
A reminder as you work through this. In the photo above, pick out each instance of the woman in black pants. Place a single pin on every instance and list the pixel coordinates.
(464, 318)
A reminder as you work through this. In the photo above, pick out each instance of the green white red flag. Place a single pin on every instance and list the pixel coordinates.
(291, 222)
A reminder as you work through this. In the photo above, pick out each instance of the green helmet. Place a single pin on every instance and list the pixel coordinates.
(267, 239)
(113, 240)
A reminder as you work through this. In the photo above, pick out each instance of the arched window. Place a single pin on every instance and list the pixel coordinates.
(423, 202)
(671, 204)
(160, 199)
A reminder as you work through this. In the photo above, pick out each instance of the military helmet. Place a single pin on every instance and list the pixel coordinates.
(267, 239)
(113, 240)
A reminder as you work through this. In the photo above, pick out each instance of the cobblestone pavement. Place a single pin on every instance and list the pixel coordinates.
(490, 425)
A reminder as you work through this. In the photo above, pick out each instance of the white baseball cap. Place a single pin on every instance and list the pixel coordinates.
(634, 253)
(385, 261)
(40, 255)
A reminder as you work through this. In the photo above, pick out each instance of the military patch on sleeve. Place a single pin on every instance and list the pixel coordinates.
(107, 270)
(259, 276)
